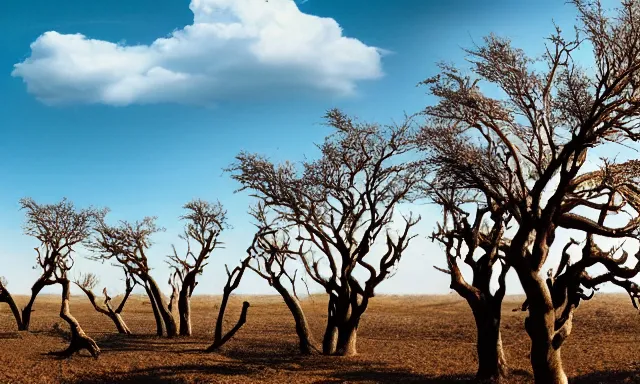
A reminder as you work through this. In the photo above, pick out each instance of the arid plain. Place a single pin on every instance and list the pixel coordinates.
(420, 339)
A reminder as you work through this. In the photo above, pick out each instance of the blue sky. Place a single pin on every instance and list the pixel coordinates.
(149, 153)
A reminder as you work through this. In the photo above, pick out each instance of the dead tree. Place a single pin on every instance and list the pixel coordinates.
(341, 204)
(526, 151)
(233, 280)
(5, 297)
(270, 251)
(79, 339)
(89, 281)
(205, 222)
(59, 228)
(481, 247)
(127, 244)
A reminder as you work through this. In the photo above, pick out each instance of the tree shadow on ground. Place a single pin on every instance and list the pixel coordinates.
(602, 377)
(168, 374)
(9, 335)
(150, 343)
(394, 376)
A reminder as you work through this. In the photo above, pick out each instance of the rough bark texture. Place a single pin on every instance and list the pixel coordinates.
(492, 364)
(219, 338)
(233, 280)
(330, 338)
(114, 315)
(347, 337)
(28, 309)
(546, 360)
(167, 317)
(79, 340)
(156, 312)
(305, 337)
(484, 249)
(5, 297)
(184, 309)
(346, 318)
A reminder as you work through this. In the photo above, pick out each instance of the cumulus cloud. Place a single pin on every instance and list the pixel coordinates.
(234, 48)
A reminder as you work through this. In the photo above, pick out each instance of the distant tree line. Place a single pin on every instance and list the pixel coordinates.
(507, 173)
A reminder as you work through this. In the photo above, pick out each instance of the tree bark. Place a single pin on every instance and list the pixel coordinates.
(546, 360)
(156, 313)
(219, 340)
(26, 311)
(6, 297)
(167, 317)
(347, 338)
(184, 311)
(184, 302)
(492, 365)
(305, 337)
(330, 338)
(79, 340)
(121, 326)
(350, 311)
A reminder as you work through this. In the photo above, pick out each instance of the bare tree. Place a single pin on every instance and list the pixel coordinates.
(127, 244)
(270, 251)
(525, 154)
(5, 297)
(340, 204)
(89, 281)
(205, 222)
(233, 280)
(480, 246)
(59, 228)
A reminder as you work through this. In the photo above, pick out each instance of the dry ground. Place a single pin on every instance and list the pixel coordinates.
(402, 339)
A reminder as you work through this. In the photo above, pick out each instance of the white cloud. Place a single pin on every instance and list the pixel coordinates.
(233, 48)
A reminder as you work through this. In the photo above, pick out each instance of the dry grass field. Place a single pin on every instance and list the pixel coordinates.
(402, 339)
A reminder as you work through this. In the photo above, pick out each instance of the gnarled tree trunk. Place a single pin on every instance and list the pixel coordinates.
(35, 290)
(156, 312)
(79, 340)
(546, 360)
(347, 338)
(349, 312)
(492, 364)
(330, 338)
(120, 324)
(219, 339)
(5, 297)
(114, 315)
(167, 317)
(305, 337)
(184, 303)
(184, 310)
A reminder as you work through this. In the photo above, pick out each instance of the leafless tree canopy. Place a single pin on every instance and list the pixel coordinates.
(524, 154)
(59, 228)
(204, 223)
(341, 203)
(127, 244)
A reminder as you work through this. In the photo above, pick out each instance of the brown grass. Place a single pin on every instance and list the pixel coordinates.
(402, 339)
